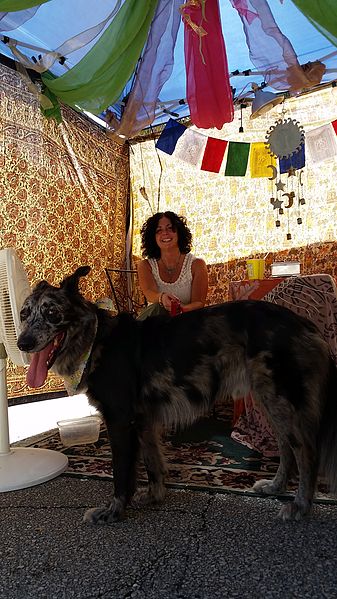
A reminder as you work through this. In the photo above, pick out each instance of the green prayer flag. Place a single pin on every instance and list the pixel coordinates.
(322, 14)
(237, 159)
(99, 78)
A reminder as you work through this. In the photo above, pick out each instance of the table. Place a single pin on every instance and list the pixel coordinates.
(311, 296)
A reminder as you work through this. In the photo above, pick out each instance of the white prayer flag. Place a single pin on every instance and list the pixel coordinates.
(190, 147)
(320, 143)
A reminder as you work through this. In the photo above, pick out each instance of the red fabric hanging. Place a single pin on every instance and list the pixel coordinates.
(208, 90)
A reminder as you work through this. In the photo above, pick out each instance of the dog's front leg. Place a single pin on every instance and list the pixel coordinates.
(150, 441)
(125, 447)
(307, 463)
(278, 484)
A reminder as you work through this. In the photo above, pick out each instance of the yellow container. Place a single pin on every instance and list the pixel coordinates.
(255, 268)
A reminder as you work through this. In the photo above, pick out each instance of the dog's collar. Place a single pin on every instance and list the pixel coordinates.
(72, 382)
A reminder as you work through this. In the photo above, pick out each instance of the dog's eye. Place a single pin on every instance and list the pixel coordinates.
(25, 312)
(52, 314)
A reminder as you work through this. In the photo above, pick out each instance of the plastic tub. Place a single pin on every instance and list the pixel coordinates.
(79, 431)
(285, 269)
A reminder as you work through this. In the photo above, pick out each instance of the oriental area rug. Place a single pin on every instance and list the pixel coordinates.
(202, 457)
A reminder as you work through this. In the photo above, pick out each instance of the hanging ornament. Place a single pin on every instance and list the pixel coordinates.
(277, 204)
(284, 140)
(274, 169)
(291, 172)
(290, 196)
(301, 200)
(280, 186)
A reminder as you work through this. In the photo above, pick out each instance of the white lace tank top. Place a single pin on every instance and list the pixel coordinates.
(182, 286)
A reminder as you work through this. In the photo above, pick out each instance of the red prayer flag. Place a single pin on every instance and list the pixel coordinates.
(213, 155)
(334, 124)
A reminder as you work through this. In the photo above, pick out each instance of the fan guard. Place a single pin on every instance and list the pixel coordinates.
(14, 288)
(20, 467)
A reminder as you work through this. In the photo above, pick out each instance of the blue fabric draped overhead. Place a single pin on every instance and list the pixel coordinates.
(59, 34)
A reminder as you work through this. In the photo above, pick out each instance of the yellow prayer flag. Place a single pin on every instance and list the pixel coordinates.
(260, 160)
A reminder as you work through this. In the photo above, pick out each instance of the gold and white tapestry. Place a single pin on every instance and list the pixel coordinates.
(232, 218)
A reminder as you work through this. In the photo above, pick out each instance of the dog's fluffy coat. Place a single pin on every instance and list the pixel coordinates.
(165, 372)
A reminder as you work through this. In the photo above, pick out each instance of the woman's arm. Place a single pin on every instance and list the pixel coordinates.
(199, 286)
(147, 283)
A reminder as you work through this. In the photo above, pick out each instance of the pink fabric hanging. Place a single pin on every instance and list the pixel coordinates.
(208, 90)
(271, 52)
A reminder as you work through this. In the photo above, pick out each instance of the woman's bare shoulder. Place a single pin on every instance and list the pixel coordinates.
(199, 263)
(143, 265)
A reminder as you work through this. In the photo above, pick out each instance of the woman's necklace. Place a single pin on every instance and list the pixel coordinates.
(171, 270)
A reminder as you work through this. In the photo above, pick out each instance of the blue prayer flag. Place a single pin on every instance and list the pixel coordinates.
(296, 161)
(170, 135)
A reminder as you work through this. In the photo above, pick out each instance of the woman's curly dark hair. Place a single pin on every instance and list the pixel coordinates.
(149, 245)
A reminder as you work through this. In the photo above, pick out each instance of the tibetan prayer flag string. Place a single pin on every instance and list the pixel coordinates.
(259, 160)
(213, 155)
(296, 161)
(169, 136)
(237, 159)
(321, 143)
(191, 147)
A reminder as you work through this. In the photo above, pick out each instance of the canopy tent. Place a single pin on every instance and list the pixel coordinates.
(92, 55)
(66, 188)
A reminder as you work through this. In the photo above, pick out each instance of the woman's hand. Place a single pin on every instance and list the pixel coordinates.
(166, 299)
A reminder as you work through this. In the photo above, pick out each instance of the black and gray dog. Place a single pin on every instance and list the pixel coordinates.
(164, 372)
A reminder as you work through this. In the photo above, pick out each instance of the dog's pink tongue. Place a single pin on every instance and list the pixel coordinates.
(38, 369)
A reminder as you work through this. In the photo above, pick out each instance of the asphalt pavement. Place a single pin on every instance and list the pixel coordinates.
(194, 545)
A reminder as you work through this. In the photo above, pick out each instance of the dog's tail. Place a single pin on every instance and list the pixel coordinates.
(328, 452)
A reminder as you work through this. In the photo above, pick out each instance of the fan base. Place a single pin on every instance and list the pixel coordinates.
(25, 467)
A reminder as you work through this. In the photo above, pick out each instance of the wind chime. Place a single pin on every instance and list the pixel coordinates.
(285, 140)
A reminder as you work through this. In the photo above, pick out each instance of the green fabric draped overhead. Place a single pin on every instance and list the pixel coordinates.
(322, 14)
(99, 78)
(15, 5)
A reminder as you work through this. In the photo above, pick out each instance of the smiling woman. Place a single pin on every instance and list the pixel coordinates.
(170, 277)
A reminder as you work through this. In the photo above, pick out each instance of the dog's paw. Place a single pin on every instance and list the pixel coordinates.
(141, 498)
(267, 487)
(293, 510)
(157, 492)
(106, 514)
(148, 496)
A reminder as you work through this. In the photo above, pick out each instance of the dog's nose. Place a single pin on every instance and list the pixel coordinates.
(26, 343)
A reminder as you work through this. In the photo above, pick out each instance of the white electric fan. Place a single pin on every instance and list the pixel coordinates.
(20, 467)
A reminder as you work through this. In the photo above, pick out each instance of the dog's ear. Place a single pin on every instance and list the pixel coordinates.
(41, 286)
(71, 283)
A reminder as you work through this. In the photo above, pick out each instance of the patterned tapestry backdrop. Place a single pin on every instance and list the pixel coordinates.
(63, 192)
(231, 218)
